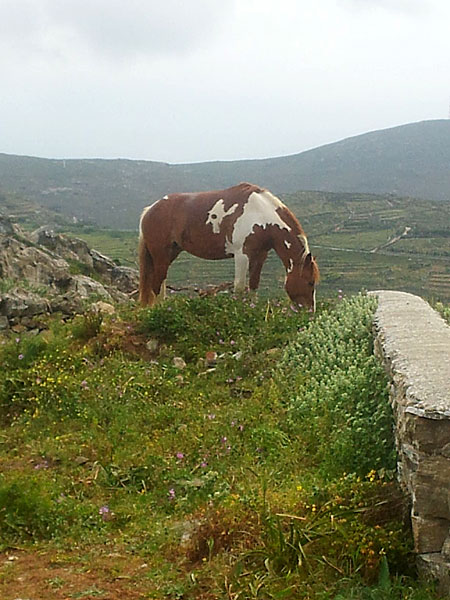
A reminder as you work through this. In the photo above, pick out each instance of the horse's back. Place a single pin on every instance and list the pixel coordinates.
(210, 224)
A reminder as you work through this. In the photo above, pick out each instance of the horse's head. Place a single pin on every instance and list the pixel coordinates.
(301, 282)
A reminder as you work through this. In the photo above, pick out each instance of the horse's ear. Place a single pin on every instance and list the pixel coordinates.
(309, 259)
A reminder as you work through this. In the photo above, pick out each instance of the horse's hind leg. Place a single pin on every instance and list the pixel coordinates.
(162, 293)
(174, 252)
(146, 272)
(161, 264)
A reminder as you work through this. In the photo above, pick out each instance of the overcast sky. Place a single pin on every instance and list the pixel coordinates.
(198, 80)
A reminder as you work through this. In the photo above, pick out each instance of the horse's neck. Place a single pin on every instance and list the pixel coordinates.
(291, 249)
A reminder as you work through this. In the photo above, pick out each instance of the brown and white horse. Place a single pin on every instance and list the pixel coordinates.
(244, 222)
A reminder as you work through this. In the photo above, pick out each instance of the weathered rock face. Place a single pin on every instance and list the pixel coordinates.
(414, 344)
(63, 246)
(18, 303)
(37, 267)
(21, 261)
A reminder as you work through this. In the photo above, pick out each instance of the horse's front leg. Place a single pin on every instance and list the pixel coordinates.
(257, 260)
(240, 271)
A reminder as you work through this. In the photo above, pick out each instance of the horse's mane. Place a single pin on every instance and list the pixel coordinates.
(315, 271)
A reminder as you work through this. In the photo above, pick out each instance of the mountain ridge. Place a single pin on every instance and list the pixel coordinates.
(407, 160)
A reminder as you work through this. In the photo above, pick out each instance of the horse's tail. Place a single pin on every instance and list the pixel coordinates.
(146, 294)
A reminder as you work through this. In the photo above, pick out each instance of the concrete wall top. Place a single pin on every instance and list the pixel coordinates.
(416, 342)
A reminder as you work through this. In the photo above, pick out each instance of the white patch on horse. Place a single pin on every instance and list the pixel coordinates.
(260, 209)
(146, 209)
(144, 212)
(287, 244)
(217, 214)
(291, 266)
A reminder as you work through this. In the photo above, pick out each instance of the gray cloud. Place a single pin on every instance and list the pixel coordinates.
(188, 80)
(111, 28)
(411, 7)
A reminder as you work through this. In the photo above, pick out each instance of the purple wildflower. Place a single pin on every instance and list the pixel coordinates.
(105, 513)
(41, 465)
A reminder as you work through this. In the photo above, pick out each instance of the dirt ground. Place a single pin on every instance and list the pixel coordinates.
(45, 575)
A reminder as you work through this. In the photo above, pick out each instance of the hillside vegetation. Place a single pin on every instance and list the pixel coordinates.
(167, 454)
(409, 160)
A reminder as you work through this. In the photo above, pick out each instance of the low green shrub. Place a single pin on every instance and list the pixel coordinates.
(86, 326)
(27, 508)
(443, 310)
(339, 403)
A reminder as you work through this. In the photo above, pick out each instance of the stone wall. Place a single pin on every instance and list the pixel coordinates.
(414, 343)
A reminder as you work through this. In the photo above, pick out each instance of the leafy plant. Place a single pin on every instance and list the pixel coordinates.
(87, 326)
(340, 401)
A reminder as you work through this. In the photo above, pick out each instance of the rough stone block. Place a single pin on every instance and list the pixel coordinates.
(429, 534)
(434, 567)
(414, 344)
(431, 485)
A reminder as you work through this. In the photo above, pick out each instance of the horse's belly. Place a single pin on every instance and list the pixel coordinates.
(208, 251)
(201, 241)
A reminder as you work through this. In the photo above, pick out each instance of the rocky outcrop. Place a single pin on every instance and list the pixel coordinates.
(37, 271)
(63, 246)
(414, 344)
(23, 262)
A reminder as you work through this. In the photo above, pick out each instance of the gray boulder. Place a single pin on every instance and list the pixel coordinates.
(19, 303)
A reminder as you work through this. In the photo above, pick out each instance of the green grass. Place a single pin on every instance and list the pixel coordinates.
(264, 473)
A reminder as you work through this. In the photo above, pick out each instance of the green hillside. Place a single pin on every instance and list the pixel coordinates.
(409, 160)
(208, 467)
(28, 213)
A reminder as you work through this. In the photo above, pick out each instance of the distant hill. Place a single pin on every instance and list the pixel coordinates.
(409, 160)
(29, 214)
